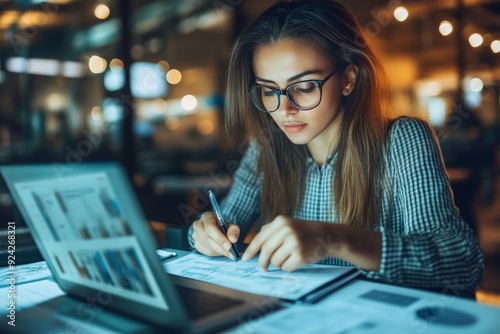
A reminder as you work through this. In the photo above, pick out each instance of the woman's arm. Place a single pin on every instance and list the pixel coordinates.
(427, 244)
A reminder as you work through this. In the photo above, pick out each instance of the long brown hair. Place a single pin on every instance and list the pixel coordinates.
(359, 169)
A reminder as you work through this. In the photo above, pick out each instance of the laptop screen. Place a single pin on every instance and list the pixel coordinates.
(88, 236)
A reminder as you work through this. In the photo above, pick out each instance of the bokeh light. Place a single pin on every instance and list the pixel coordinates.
(495, 46)
(172, 123)
(205, 127)
(189, 102)
(475, 40)
(401, 13)
(476, 84)
(115, 64)
(174, 76)
(101, 11)
(445, 28)
(97, 64)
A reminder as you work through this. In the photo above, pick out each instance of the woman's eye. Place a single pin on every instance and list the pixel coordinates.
(267, 92)
(304, 87)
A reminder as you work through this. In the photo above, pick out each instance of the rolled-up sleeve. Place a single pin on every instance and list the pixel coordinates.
(429, 245)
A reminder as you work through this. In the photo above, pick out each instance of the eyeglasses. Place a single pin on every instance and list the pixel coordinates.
(303, 95)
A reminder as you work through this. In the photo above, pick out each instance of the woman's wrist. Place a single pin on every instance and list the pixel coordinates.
(361, 247)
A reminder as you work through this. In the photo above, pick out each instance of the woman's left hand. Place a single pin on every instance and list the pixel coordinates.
(289, 243)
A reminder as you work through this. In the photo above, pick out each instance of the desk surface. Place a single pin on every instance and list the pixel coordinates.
(359, 307)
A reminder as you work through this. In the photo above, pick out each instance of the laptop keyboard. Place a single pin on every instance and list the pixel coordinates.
(201, 303)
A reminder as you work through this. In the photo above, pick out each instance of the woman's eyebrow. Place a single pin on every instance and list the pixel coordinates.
(295, 77)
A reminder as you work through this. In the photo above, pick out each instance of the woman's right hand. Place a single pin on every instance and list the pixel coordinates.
(209, 239)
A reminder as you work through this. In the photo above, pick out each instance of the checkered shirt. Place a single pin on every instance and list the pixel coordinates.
(425, 242)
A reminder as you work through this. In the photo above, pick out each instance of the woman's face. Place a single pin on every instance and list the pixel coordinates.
(289, 61)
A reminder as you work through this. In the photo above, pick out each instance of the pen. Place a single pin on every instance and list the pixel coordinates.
(222, 223)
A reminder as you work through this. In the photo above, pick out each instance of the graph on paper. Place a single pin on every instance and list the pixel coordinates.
(246, 275)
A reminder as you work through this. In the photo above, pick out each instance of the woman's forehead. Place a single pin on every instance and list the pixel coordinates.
(289, 55)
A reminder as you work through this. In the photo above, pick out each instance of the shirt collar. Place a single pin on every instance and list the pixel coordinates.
(330, 159)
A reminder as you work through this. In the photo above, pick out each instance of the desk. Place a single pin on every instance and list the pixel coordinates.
(359, 307)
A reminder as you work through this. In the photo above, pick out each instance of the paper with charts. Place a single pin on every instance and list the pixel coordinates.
(247, 276)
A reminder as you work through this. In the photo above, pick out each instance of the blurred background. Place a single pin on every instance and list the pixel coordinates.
(143, 83)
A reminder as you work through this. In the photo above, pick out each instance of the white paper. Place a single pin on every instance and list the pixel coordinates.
(247, 276)
(306, 319)
(346, 312)
(24, 273)
(29, 295)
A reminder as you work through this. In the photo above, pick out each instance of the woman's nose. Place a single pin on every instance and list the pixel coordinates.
(286, 107)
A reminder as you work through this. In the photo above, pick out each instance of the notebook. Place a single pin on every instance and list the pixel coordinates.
(89, 227)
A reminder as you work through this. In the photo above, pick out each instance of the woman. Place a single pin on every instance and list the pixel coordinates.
(336, 180)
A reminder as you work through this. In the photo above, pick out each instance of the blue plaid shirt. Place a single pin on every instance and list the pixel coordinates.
(425, 242)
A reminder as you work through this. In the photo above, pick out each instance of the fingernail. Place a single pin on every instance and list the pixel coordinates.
(244, 257)
(226, 246)
(231, 257)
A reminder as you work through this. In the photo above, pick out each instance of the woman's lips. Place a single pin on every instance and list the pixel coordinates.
(294, 127)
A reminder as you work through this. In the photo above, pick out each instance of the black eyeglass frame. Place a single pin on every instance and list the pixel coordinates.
(279, 92)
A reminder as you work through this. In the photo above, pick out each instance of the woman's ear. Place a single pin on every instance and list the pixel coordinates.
(349, 79)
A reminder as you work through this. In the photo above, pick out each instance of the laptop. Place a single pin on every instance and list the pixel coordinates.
(89, 228)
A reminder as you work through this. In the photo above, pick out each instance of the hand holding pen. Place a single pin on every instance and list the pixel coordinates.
(208, 238)
(222, 223)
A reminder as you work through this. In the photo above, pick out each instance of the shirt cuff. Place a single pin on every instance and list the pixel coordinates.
(391, 259)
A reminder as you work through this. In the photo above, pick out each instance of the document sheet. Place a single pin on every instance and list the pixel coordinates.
(247, 276)
(375, 308)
